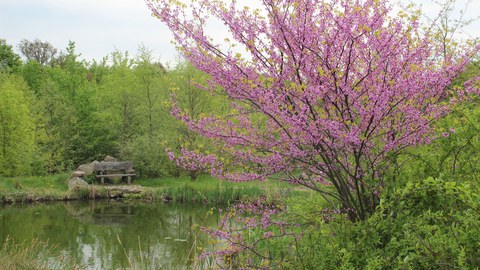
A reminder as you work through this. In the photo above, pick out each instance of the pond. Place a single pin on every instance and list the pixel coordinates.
(112, 234)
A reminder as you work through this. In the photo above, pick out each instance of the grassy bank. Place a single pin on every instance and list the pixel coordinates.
(205, 189)
(33, 188)
(208, 190)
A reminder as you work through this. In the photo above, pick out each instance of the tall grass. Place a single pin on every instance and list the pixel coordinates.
(212, 195)
(33, 255)
(209, 190)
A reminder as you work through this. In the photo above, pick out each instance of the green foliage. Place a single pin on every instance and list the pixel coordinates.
(209, 190)
(76, 94)
(50, 113)
(63, 111)
(454, 154)
(151, 87)
(118, 101)
(17, 127)
(33, 255)
(9, 60)
(184, 84)
(148, 155)
(120, 106)
(429, 224)
(212, 195)
(33, 188)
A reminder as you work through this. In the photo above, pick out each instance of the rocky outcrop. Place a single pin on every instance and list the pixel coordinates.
(76, 183)
(78, 173)
(120, 191)
(87, 168)
(110, 159)
(77, 188)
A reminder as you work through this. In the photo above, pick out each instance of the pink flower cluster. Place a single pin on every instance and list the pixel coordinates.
(237, 226)
(193, 161)
(330, 89)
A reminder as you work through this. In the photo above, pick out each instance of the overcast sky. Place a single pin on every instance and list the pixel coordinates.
(98, 27)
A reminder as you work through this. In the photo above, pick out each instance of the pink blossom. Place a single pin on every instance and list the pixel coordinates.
(328, 88)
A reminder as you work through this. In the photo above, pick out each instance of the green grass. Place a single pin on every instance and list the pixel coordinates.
(204, 181)
(33, 188)
(33, 255)
(49, 182)
(205, 189)
(209, 190)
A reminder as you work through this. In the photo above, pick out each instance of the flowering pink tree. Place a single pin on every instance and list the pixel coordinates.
(194, 162)
(327, 93)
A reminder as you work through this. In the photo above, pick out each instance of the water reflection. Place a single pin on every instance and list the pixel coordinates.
(110, 213)
(112, 234)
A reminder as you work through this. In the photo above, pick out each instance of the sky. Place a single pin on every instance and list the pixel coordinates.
(99, 27)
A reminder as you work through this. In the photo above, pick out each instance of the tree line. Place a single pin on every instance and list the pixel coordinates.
(57, 111)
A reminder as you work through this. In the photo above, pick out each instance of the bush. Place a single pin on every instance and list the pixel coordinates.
(149, 157)
(454, 154)
(428, 224)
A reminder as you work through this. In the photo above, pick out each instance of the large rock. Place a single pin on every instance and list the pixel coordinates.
(130, 189)
(76, 183)
(77, 189)
(110, 159)
(115, 194)
(87, 168)
(78, 173)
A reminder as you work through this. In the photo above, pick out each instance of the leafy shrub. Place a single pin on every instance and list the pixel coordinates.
(454, 154)
(149, 157)
(427, 224)
(430, 224)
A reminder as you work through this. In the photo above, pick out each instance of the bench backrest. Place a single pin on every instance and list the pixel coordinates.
(126, 166)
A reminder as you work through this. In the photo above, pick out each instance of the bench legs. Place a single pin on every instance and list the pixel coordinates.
(103, 176)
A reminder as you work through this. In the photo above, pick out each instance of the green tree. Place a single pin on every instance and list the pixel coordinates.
(52, 115)
(147, 147)
(151, 85)
(17, 128)
(79, 93)
(118, 101)
(41, 51)
(64, 108)
(185, 84)
(9, 60)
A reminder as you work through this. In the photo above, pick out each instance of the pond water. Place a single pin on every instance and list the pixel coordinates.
(112, 234)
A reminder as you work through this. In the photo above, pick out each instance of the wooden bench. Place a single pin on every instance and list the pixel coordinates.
(114, 169)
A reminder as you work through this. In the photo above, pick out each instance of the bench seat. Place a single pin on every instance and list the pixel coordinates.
(115, 175)
(108, 169)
